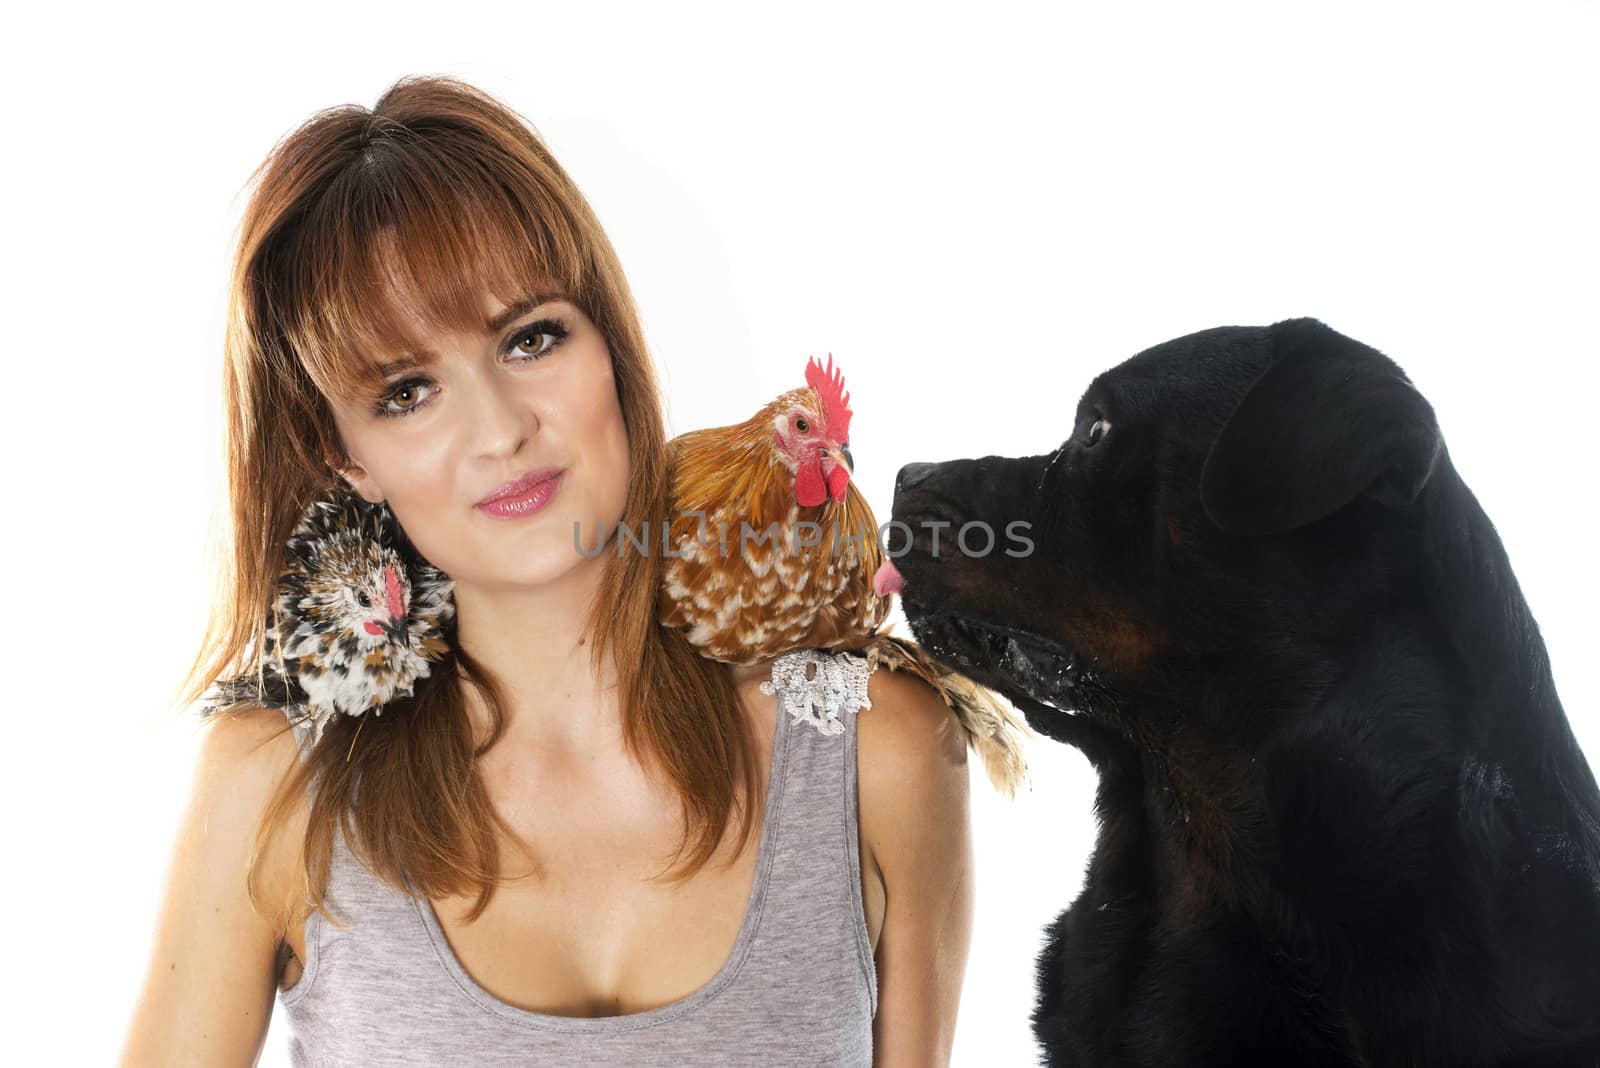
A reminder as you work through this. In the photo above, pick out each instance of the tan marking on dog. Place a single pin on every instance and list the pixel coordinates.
(1172, 529)
(1117, 640)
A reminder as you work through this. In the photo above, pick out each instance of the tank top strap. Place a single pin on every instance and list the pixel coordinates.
(820, 688)
(815, 886)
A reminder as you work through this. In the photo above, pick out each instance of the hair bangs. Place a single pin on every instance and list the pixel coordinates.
(406, 243)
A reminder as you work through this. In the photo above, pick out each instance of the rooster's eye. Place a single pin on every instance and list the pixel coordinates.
(366, 602)
(1099, 430)
(801, 425)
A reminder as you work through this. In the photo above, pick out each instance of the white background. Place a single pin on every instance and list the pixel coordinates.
(973, 210)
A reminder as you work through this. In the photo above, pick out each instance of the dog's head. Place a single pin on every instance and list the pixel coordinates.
(1222, 498)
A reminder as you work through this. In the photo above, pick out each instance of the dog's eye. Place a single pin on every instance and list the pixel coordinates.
(1099, 430)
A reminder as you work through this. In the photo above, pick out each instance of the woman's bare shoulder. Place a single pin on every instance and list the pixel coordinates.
(243, 758)
(911, 763)
(243, 755)
(909, 731)
(212, 960)
(239, 735)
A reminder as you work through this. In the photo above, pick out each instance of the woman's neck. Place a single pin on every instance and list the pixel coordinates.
(533, 642)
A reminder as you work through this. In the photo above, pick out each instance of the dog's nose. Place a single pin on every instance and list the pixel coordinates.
(911, 474)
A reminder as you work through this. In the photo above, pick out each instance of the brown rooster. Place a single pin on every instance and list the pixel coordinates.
(773, 548)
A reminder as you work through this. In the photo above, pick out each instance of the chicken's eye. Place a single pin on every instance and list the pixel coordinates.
(366, 602)
(1099, 430)
(801, 425)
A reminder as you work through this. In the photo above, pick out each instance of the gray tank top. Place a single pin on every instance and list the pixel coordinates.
(799, 987)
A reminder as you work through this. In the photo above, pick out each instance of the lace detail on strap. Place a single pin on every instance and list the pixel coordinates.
(817, 698)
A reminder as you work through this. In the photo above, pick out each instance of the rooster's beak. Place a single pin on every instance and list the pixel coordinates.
(841, 455)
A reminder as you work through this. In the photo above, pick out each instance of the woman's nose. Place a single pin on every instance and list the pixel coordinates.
(500, 419)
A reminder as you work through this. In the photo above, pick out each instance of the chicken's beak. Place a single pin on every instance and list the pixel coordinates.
(841, 455)
(398, 632)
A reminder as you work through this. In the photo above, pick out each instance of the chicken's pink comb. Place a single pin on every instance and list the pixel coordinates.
(829, 384)
(393, 596)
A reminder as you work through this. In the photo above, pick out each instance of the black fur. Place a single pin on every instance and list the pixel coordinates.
(1343, 819)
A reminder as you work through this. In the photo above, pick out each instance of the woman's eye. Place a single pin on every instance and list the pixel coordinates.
(553, 330)
(517, 342)
(408, 386)
(397, 394)
(1099, 430)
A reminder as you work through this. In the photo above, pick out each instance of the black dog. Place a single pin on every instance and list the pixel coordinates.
(1343, 819)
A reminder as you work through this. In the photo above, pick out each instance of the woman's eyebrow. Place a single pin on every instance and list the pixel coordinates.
(520, 307)
(407, 362)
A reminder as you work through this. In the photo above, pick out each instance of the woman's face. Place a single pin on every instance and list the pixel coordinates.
(532, 391)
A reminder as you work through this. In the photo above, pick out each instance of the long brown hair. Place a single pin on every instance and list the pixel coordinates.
(459, 193)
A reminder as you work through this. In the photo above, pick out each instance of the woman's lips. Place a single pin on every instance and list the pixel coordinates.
(521, 484)
(524, 502)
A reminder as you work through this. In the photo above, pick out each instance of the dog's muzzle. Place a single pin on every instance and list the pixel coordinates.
(1042, 669)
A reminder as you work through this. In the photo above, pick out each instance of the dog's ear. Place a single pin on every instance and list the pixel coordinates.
(1329, 419)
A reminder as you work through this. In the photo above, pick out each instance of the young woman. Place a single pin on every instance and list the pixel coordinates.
(577, 841)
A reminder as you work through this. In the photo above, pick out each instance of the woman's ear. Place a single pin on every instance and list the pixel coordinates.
(1330, 419)
(359, 480)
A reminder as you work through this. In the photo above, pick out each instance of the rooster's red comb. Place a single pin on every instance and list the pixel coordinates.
(829, 384)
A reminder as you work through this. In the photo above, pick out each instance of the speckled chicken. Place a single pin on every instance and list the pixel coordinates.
(773, 548)
(356, 620)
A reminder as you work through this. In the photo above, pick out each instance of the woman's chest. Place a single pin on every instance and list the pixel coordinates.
(594, 934)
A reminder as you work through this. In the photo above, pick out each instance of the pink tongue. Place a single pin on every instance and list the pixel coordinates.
(887, 580)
